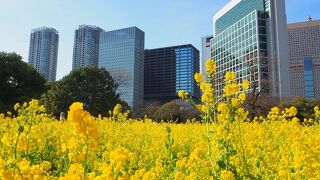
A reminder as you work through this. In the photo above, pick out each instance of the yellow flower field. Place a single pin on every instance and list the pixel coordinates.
(225, 145)
(36, 146)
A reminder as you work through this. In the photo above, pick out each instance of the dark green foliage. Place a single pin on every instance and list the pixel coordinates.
(94, 87)
(149, 108)
(168, 112)
(304, 106)
(19, 81)
(175, 111)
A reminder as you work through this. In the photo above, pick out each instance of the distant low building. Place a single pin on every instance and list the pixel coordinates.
(304, 58)
(168, 70)
(43, 51)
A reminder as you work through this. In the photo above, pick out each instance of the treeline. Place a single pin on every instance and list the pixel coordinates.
(20, 82)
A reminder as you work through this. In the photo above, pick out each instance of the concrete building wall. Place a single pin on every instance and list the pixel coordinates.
(205, 53)
(304, 46)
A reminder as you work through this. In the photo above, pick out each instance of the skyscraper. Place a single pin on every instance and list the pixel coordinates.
(168, 70)
(206, 52)
(43, 51)
(304, 57)
(86, 46)
(121, 52)
(251, 39)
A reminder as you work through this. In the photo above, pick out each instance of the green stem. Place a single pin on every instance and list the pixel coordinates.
(15, 146)
(86, 160)
(28, 138)
(209, 146)
(244, 159)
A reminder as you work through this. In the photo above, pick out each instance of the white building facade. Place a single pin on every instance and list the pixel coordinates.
(250, 37)
(205, 52)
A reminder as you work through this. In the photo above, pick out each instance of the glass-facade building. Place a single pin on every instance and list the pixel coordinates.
(168, 70)
(304, 58)
(121, 52)
(43, 51)
(250, 38)
(206, 52)
(86, 46)
(308, 77)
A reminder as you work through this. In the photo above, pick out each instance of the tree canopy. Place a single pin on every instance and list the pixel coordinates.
(176, 111)
(304, 106)
(94, 87)
(19, 81)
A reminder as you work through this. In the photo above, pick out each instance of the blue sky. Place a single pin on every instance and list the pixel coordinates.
(165, 22)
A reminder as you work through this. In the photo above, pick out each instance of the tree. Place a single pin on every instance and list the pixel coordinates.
(189, 112)
(176, 111)
(304, 106)
(92, 86)
(259, 101)
(260, 105)
(19, 81)
(168, 112)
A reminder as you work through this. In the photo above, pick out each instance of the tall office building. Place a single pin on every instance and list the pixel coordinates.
(121, 52)
(304, 58)
(206, 53)
(43, 51)
(168, 70)
(86, 46)
(251, 39)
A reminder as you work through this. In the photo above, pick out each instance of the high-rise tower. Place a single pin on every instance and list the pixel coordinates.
(43, 51)
(206, 52)
(86, 46)
(168, 70)
(251, 39)
(304, 57)
(121, 52)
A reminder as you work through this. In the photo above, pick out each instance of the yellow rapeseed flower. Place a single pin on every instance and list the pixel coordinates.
(119, 156)
(75, 172)
(223, 108)
(83, 123)
(179, 176)
(16, 106)
(317, 111)
(117, 110)
(292, 111)
(231, 89)
(235, 102)
(182, 94)
(211, 67)
(246, 84)
(242, 97)
(141, 149)
(202, 107)
(275, 110)
(230, 76)
(227, 175)
(207, 96)
(198, 78)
